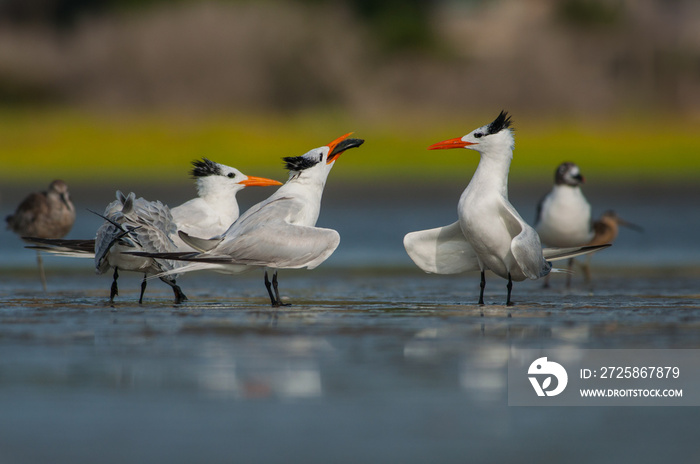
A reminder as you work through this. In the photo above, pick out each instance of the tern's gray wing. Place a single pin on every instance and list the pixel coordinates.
(111, 230)
(152, 228)
(155, 214)
(443, 250)
(525, 246)
(272, 210)
(281, 246)
(116, 230)
(194, 213)
(155, 225)
(265, 237)
(134, 224)
(107, 235)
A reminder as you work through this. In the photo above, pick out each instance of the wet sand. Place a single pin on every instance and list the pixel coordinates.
(374, 361)
(365, 366)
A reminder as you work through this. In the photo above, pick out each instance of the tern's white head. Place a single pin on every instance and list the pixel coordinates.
(218, 179)
(317, 163)
(492, 140)
(568, 174)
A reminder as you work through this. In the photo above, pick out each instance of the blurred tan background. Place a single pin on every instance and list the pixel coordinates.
(368, 57)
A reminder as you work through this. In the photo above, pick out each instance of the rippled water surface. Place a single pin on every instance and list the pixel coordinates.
(374, 361)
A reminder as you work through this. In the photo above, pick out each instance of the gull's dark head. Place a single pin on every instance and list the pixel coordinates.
(568, 174)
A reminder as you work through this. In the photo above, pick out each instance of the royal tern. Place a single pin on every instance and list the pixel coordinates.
(490, 234)
(215, 208)
(133, 224)
(47, 214)
(563, 217)
(136, 224)
(279, 232)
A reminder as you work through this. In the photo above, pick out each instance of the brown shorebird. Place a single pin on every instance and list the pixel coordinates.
(47, 214)
(605, 230)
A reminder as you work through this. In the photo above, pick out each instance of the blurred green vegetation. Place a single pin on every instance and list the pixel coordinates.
(88, 148)
(590, 13)
(396, 24)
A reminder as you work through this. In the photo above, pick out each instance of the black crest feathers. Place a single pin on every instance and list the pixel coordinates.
(204, 168)
(299, 163)
(500, 123)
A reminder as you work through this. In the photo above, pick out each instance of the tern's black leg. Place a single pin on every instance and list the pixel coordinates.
(509, 286)
(277, 292)
(114, 291)
(482, 285)
(143, 288)
(179, 296)
(268, 286)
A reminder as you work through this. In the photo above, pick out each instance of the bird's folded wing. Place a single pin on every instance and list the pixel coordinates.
(278, 245)
(151, 227)
(197, 243)
(279, 210)
(526, 246)
(192, 216)
(155, 214)
(107, 235)
(152, 239)
(443, 250)
(155, 240)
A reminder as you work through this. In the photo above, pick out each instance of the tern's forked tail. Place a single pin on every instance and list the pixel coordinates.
(556, 254)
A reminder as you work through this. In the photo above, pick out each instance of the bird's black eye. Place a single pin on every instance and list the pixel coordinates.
(320, 157)
(231, 175)
(478, 135)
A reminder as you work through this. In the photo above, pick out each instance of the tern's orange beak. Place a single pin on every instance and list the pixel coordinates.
(452, 143)
(253, 181)
(339, 145)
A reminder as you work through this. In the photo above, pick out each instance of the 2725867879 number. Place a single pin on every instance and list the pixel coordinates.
(648, 372)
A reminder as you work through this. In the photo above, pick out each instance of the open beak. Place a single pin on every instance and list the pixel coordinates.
(452, 143)
(253, 181)
(339, 145)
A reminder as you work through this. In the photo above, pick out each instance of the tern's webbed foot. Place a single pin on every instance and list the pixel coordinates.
(179, 296)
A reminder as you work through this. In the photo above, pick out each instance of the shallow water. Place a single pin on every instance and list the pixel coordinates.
(374, 361)
(365, 366)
